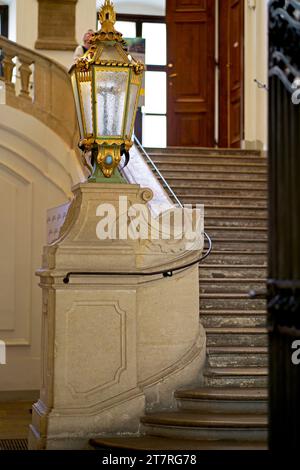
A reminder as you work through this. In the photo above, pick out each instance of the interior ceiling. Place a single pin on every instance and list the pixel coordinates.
(146, 7)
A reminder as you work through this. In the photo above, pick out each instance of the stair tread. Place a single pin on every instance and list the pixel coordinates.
(234, 217)
(233, 279)
(246, 229)
(212, 196)
(241, 241)
(237, 349)
(184, 151)
(246, 266)
(202, 178)
(198, 419)
(218, 295)
(164, 443)
(210, 167)
(223, 393)
(229, 207)
(239, 252)
(237, 312)
(222, 330)
(236, 371)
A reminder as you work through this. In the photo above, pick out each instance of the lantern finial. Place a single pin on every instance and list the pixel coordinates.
(107, 17)
(107, 13)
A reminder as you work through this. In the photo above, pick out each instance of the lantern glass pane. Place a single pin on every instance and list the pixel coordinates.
(86, 96)
(111, 91)
(77, 104)
(132, 105)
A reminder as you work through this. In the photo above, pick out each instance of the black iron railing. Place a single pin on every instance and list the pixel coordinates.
(283, 288)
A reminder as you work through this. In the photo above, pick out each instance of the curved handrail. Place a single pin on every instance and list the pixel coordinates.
(164, 272)
(29, 52)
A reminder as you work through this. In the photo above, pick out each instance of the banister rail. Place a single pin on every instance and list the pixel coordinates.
(50, 100)
(164, 272)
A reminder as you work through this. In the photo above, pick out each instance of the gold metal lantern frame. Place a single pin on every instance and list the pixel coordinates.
(106, 83)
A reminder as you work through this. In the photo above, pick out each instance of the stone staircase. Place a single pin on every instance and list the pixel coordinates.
(230, 410)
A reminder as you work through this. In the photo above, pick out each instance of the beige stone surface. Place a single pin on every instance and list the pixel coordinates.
(113, 345)
(37, 171)
(56, 25)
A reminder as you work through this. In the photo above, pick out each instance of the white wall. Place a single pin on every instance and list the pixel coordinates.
(138, 7)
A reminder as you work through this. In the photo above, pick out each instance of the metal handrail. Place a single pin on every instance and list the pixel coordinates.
(164, 272)
(157, 171)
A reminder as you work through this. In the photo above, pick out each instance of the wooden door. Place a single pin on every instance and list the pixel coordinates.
(191, 85)
(231, 47)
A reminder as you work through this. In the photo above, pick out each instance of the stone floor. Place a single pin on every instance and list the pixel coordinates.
(15, 418)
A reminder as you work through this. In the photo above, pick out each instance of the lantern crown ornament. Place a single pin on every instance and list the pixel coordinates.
(106, 83)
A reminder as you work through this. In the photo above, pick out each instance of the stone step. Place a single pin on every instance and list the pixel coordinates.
(234, 336)
(198, 425)
(225, 401)
(238, 221)
(191, 174)
(217, 190)
(233, 321)
(163, 443)
(194, 183)
(235, 257)
(229, 302)
(237, 233)
(232, 285)
(223, 200)
(247, 245)
(229, 271)
(175, 165)
(238, 356)
(236, 377)
(249, 212)
(184, 151)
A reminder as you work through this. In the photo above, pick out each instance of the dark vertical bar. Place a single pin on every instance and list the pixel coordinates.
(4, 20)
(284, 227)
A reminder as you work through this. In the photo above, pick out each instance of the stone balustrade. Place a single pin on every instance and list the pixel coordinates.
(39, 86)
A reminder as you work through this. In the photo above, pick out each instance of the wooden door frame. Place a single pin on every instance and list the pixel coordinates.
(211, 58)
(224, 78)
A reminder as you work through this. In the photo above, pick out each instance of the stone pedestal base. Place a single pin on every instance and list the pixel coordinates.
(114, 346)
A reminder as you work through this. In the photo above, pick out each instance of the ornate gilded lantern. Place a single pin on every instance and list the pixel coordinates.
(106, 84)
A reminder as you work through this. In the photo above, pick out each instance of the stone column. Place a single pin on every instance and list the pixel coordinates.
(112, 345)
(56, 25)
